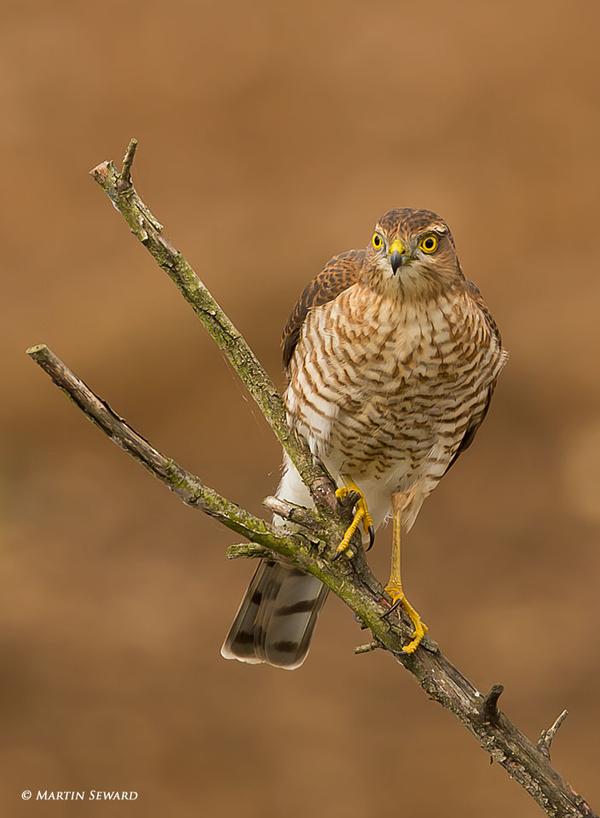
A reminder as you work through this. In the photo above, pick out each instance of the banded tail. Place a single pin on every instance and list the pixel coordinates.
(277, 617)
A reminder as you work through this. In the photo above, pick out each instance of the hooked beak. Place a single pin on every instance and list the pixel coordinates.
(398, 255)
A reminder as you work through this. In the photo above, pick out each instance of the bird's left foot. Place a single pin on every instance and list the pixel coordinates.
(399, 599)
(361, 515)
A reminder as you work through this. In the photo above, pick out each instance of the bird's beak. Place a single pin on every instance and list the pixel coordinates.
(398, 254)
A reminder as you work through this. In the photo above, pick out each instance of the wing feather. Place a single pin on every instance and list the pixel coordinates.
(476, 422)
(339, 273)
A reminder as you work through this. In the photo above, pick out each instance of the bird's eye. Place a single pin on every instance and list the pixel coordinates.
(429, 244)
(377, 241)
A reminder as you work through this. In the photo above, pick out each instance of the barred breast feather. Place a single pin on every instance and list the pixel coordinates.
(389, 392)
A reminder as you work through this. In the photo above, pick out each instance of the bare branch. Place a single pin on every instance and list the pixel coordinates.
(294, 513)
(352, 580)
(547, 736)
(124, 181)
(188, 487)
(247, 550)
(368, 648)
(148, 230)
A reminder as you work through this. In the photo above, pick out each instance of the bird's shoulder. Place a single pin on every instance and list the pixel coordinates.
(475, 294)
(340, 272)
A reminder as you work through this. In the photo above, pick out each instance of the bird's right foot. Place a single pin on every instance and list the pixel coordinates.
(361, 515)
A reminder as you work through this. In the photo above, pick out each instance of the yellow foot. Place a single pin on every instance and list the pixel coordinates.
(398, 598)
(361, 514)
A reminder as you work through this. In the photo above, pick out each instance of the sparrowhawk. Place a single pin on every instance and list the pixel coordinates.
(392, 358)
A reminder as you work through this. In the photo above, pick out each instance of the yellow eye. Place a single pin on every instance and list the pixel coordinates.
(429, 244)
(377, 241)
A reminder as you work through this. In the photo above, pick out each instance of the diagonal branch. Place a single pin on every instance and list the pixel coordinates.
(148, 230)
(352, 582)
(188, 487)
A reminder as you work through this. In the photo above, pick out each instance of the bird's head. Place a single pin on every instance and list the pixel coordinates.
(414, 250)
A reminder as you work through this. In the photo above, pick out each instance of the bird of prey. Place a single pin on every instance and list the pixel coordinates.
(392, 357)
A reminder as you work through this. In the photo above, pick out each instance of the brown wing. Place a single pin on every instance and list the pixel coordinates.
(339, 273)
(472, 428)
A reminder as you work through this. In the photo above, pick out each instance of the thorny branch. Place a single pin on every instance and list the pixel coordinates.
(526, 763)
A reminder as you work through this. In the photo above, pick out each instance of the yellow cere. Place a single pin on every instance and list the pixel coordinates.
(429, 244)
(397, 246)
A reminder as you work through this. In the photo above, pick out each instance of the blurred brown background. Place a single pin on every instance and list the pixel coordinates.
(272, 136)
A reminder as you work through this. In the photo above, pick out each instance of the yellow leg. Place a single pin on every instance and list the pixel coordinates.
(361, 514)
(394, 586)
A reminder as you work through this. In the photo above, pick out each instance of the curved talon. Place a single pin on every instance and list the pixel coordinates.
(393, 607)
(371, 533)
(342, 492)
